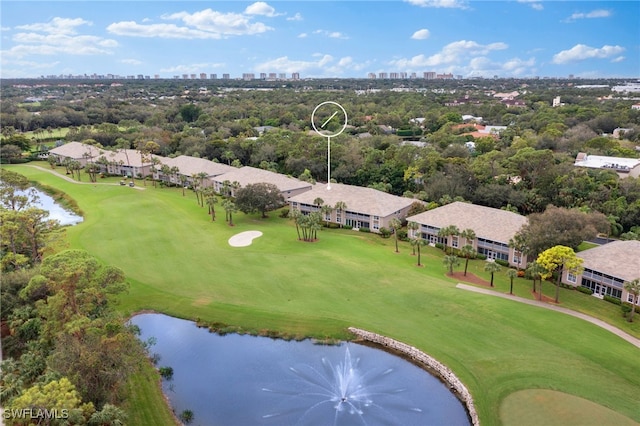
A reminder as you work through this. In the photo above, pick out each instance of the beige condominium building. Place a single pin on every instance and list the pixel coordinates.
(493, 229)
(357, 207)
(607, 268)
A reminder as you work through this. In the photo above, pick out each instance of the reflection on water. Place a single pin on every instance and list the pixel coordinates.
(57, 212)
(246, 380)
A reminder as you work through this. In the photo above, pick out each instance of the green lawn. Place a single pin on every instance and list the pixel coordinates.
(179, 262)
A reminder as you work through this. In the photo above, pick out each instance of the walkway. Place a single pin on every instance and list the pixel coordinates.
(68, 179)
(629, 338)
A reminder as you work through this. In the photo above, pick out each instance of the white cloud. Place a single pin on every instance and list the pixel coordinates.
(303, 35)
(260, 8)
(598, 13)
(422, 34)
(535, 4)
(323, 65)
(296, 17)
(192, 68)
(581, 52)
(453, 53)
(56, 37)
(457, 4)
(56, 26)
(133, 29)
(618, 59)
(131, 61)
(204, 24)
(332, 34)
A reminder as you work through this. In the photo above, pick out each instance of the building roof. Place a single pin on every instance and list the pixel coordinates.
(249, 175)
(487, 222)
(603, 162)
(126, 157)
(619, 259)
(364, 200)
(190, 166)
(74, 150)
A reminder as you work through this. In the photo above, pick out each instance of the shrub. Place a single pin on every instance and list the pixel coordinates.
(166, 372)
(348, 227)
(364, 230)
(502, 263)
(625, 307)
(440, 246)
(612, 299)
(481, 256)
(402, 235)
(385, 233)
(585, 290)
(284, 213)
(520, 273)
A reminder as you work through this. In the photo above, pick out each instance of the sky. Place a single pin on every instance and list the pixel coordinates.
(344, 39)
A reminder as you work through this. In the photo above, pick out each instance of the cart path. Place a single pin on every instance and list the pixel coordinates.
(626, 336)
(68, 179)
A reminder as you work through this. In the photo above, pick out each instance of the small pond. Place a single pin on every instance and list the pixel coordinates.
(247, 380)
(56, 211)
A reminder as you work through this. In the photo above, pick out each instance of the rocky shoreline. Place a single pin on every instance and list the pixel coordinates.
(429, 362)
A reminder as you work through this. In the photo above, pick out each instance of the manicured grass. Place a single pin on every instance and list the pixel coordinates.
(179, 263)
(544, 407)
(145, 403)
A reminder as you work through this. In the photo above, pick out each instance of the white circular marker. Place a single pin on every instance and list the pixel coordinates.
(329, 119)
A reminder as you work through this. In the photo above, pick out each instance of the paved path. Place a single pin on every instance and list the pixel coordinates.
(629, 338)
(68, 179)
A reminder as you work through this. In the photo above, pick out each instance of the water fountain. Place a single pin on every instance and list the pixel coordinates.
(343, 392)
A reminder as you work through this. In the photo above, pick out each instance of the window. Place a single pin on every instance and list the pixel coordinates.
(572, 278)
(630, 299)
(454, 242)
(338, 217)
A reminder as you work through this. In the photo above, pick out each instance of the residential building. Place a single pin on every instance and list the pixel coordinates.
(607, 268)
(244, 176)
(494, 228)
(74, 151)
(365, 207)
(622, 166)
(187, 167)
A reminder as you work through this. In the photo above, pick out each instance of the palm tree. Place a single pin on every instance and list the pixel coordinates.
(492, 267)
(535, 271)
(469, 235)
(395, 224)
(418, 242)
(295, 215)
(211, 200)
(450, 261)
(511, 273)
(341, 206)
(230, 207)
(326, 212)
(633, 287)
(468, 252)
(413, 227)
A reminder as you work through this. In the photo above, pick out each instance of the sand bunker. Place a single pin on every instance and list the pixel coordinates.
(244, 239)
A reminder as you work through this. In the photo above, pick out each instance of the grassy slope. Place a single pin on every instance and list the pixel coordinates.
(180, 263)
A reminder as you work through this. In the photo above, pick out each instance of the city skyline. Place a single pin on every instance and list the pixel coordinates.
(321, 39)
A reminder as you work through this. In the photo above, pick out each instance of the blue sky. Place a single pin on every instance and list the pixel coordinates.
(519, 38)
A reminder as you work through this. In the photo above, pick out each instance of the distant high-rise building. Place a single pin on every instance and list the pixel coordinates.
(203, 76)
(193, 76)
(272, 75)
(371, 75)
(295, 76)
(226, 76)
(282, 76)
(429, 75)
(248, 76)
(383, 75)
(185, 76)
(403, 75)
(156, 76)
(414, 75)
(213, 76)
(263, 76)
(447, 76)
(394, 76)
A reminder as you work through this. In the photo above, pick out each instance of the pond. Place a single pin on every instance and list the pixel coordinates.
(246, 380)
(56, 211)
